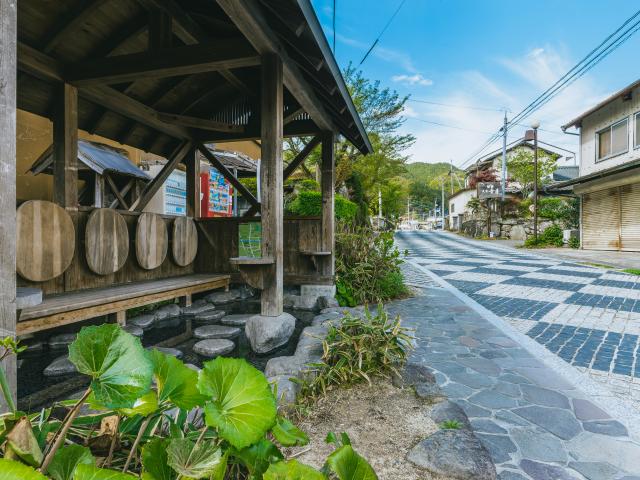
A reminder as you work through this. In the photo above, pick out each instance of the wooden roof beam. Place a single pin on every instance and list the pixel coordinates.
(249, 18)
(39, 64)
(227, 54)
(75, 18)
(201, 123)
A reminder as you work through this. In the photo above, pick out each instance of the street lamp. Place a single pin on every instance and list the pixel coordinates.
(533, 135)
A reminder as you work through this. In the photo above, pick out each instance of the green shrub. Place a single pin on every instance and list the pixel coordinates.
(367, 266)
(251, 183)
(574, 242)
(550, 207)
(632, 271)
(308, 203)
(552, 236)
(151, 399)
(523, 208)
(358, 350)
(451, 425)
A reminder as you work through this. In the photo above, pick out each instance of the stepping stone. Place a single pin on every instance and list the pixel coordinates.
(585, 410)
(540, 446)
(193, 310)
(449, 410)
(595, 470)
(592, 447)
(168, 322)
(35, 347)
(543, 471)
(213, 347)
(209, 317)
(236, 320)
(265, 334)
(545, 397)
(134, 330)
(453, 454)
(500, 447)
(168, 351)
(221, 298)
(145, 322)
(59, 367)
(61, 341)
(216, 331)
(168, 311)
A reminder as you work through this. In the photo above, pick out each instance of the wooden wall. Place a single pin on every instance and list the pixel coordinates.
(217, 243)
(220, 238)
(79, 277)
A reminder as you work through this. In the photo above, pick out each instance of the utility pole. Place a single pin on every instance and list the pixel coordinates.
(503, 180)
(451, 174)
(442, 192)
(379, 207)
(535, 181)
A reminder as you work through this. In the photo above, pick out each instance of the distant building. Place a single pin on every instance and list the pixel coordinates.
(609, 181)
(458, 210)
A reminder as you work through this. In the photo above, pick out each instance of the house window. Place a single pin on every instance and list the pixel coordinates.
(613, 140)
(453, 208)
(636, 137)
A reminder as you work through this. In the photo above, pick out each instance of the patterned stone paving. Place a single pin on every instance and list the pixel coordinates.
(535, 424)
(589, 317)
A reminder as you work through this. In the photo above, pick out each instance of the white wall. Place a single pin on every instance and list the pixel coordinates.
(458, 204)
(609, 114)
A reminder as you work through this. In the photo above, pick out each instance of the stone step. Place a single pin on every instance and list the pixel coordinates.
(209, 317)
(216, 331)
(168, 311)
(134, 330)
(237, 319)
(214, 347)
(145, 322)
(59, 367)
(221, 298)
(193, 310)
(61, 341)
(168, 351)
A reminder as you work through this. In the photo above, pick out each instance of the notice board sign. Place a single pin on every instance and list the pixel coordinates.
(489, 190)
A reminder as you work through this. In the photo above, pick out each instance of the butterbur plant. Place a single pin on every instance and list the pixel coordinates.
(156, 419)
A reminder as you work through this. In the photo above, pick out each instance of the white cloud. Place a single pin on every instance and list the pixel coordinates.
(513, 85)
(396, 57)
(415, 79)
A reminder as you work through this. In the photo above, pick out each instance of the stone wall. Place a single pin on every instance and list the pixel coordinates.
(511, 228)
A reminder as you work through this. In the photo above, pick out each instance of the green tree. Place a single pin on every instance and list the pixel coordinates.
(520, 167)
(380, 109)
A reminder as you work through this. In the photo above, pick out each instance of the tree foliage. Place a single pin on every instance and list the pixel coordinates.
(521, 168)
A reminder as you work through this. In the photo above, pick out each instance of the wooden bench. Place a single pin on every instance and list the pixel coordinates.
(72, 307)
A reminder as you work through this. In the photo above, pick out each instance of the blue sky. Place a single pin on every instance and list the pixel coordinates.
(490, 54)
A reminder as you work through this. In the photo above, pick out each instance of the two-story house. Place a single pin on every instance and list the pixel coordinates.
(609, 180)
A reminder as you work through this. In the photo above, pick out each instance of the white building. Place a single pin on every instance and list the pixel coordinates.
(609, 180)
(458, 207)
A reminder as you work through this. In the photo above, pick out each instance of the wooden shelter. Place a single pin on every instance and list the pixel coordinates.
(168, 76)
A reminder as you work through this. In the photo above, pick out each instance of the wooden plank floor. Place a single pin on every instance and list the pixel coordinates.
(99, 296)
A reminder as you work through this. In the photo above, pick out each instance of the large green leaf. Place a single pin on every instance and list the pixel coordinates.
(194, 461)
(145, 405)
(89, 472)
(10, 470)
(288, 434)
(176, 382)
(67, 459)
(242, 406)
(22, 443)
(120, 371)
(292, 470)
(258, 457)
(155, 460)
(348, 465)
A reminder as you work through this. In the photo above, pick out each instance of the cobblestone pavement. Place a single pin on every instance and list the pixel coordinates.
(587, 316)
(536, 424)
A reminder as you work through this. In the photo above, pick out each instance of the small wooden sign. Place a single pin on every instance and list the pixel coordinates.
(106, 241)
(489, 190)
(152, 241)
(184, 244)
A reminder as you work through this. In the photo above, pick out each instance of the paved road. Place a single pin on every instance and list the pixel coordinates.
(589, 317)
(535, 424)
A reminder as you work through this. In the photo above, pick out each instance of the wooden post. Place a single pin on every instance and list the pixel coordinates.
(328, 201)
(271, 182)
(193, 184)
(8, 71)
(65, 148)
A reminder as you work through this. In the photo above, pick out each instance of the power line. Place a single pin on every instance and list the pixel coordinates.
(445, 125)
(470, 107)
(373, 45)
(595, 56)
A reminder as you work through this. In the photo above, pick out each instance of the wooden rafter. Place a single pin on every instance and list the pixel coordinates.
(185, 60)
(125, 190)
(154, 185)
(75, 18)
(201, 123)
(301, 157)
(226, 173)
